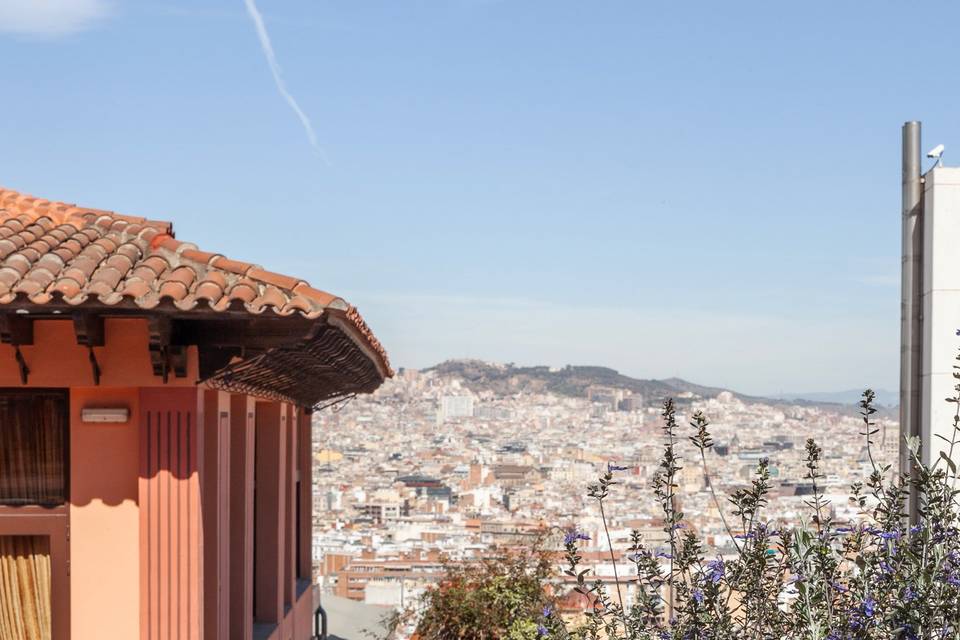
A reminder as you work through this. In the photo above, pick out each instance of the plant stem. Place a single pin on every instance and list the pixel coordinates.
(716, 501)
(613, 561)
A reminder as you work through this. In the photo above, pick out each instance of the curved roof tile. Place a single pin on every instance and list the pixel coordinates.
(83, 254)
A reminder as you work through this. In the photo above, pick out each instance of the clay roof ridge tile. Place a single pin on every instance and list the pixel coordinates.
(233, 266)
(147, 233)
(204, 258)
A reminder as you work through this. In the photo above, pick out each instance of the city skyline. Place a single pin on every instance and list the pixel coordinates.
(716, 196)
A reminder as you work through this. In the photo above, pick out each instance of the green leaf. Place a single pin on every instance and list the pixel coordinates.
(950, 463)
(913, 444)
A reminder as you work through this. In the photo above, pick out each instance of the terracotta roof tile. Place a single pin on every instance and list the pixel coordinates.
(84, 254)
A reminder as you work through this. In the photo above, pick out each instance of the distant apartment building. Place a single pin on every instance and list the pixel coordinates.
(383, 506)
(632, 403)
(509, 533)
(452, 407)
(606, 396)
(407, 571)
(509, 475)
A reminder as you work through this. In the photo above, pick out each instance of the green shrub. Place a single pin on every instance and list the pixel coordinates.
(500, 598)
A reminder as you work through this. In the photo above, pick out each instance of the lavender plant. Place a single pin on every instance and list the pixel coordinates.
(881, 576)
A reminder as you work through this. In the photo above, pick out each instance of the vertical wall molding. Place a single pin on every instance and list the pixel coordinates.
(269, 511)
(305, 457)
(215, 483)
(171, 545)
(241, 517)
(290, 507)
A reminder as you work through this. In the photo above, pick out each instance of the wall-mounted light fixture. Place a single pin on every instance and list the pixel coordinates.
(105, 414)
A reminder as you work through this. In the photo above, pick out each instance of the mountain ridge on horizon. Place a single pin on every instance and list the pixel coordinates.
(574, 380)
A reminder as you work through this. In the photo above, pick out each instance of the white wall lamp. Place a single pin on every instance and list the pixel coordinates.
(105, 414)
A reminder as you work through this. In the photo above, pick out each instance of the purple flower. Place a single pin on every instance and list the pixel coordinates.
(890, 535)
(542, 630)
(698, 596)
(885, 567)
(615, 467)
(909, 594)
(715, 570)
(547, 612)
(869, 607)
(915, 529)
(838, 587)
(660, 554)
(573, 535)
(953, 580)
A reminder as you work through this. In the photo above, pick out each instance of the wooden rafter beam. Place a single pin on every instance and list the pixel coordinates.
(159, 328)
(213, 359)
(256, 333)
(16, 329)
(89, 329)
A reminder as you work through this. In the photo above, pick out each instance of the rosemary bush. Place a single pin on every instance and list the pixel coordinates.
(881, 577)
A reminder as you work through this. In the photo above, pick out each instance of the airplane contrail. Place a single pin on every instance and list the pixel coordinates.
(275, 70)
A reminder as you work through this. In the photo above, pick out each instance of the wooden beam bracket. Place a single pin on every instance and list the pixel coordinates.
(177, 360)
(159, 327)
(22, 364)
(94, 366)
(89, 329)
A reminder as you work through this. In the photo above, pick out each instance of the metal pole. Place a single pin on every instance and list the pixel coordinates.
(911, 333)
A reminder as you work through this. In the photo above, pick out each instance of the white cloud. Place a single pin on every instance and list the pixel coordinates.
(51, 17)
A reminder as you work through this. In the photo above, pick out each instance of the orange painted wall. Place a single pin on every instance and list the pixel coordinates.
(56, 360)
(171, 537)
(111, 537)
(104, 519)
(104, 465)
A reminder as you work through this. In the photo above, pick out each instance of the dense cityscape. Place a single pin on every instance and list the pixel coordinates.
(433, 468)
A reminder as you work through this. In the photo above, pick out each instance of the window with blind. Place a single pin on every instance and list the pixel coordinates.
(33, 447)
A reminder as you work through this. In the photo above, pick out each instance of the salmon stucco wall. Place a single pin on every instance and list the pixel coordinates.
(104, 518)
(56, 360)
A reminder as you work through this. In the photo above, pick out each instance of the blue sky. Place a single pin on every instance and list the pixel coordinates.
(708, 190)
